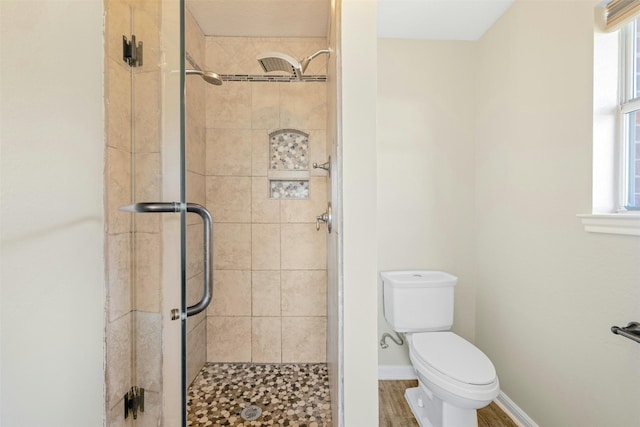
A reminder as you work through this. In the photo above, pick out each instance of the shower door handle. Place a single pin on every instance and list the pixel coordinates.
(207, 237)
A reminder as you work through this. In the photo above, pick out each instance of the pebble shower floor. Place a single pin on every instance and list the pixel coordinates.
(295, 395)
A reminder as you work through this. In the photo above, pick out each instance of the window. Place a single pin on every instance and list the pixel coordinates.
(630, 116)
(616, 120)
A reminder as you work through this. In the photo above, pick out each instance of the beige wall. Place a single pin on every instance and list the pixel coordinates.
(269, 260)
(547, 292)
(52, 215)
(426, 190)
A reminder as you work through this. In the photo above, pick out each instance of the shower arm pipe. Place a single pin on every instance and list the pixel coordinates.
(207, 221)
(320, 52)
(306, 61)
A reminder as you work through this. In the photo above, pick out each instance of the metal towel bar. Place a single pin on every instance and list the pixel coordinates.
(631, 331)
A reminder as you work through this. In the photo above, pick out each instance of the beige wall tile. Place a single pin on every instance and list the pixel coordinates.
(194, 39)
(118, 190)
(303, 248)
(196, 350)
(265, 293)
(263, 208)
(229, 198)
(147, 30)
(147, 111)
(147, 189)
(232, 293)
(147, 271)
(118, 23)
(304, 293)
(304, 339)
(318, 151)
(148, 350)
(259, 152)
(118, 274)
(195, 291)
(265, 247)
(265, 98)
(229, 106)
(303, 105)
(232, 246)
(118, 366)
(266, 340)
(229, 152)
(196, 193)
(228, 339)
(195, 254)
(306, 210)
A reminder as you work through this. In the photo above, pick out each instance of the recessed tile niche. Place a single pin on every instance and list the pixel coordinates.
(289, 164)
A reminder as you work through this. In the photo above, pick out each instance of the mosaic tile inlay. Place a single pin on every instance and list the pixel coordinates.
(289, 150)
(289, 189)
(288, 394)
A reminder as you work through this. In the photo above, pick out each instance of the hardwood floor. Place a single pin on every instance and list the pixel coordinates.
(395, 411)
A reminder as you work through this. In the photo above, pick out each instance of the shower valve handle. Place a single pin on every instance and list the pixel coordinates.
(325, 217)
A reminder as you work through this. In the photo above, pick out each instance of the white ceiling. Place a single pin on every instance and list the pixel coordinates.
(412, 19)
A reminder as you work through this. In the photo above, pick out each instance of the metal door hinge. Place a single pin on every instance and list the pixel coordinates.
(134, 402)
(132, 52)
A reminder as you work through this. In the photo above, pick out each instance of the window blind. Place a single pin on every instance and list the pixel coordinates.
(620, 12)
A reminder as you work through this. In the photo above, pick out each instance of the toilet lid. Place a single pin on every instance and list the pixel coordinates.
(454, 357)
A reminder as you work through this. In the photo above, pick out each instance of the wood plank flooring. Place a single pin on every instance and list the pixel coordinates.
(395, 411)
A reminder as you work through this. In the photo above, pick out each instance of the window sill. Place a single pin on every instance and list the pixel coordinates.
(623, 223)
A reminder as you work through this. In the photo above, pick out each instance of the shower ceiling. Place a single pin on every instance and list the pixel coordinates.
(413, 19)
(261, 18)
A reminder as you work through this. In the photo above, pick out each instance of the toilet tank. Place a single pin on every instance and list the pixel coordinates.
(418, 300)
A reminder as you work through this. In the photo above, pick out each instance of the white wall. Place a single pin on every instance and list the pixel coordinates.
(547, 291)
(358, 90)
(51, 209)
(425, 155)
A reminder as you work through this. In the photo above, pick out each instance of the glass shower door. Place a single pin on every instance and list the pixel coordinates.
(163, 241)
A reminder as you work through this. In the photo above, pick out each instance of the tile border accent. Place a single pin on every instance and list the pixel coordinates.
(271, 78)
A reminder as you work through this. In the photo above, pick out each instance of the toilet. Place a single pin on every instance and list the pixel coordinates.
(455, 378)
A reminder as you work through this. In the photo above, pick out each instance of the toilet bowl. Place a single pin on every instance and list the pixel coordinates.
(455, 378)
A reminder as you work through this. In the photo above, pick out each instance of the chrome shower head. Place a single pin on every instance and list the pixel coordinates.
(207, 76)
(277, 61)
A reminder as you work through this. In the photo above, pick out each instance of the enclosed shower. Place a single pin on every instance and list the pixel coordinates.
(243, 143)
(262, 130)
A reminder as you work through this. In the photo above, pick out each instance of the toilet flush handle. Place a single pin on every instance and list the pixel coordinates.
(325, 217)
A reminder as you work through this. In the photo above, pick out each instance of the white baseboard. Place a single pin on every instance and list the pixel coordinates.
(396, 372)
(514, 411)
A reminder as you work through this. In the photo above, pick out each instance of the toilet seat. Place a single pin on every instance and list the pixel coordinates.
(455, 357)
(454, 364)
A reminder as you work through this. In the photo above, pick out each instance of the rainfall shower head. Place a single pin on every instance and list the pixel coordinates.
(207, 76)
(277, 61)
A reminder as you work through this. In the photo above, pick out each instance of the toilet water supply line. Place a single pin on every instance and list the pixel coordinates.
(398, 341)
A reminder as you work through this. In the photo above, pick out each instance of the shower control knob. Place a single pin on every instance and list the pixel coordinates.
(325, 217)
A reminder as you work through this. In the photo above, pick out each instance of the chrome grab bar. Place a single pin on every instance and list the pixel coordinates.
(207, 238)
(207, 221)
(631, 331)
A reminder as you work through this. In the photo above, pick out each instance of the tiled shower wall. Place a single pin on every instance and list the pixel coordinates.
(196, 88)
(269, 260)
(132, 105)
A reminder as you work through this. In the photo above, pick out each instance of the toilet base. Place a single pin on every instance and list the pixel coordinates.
(431, 411)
